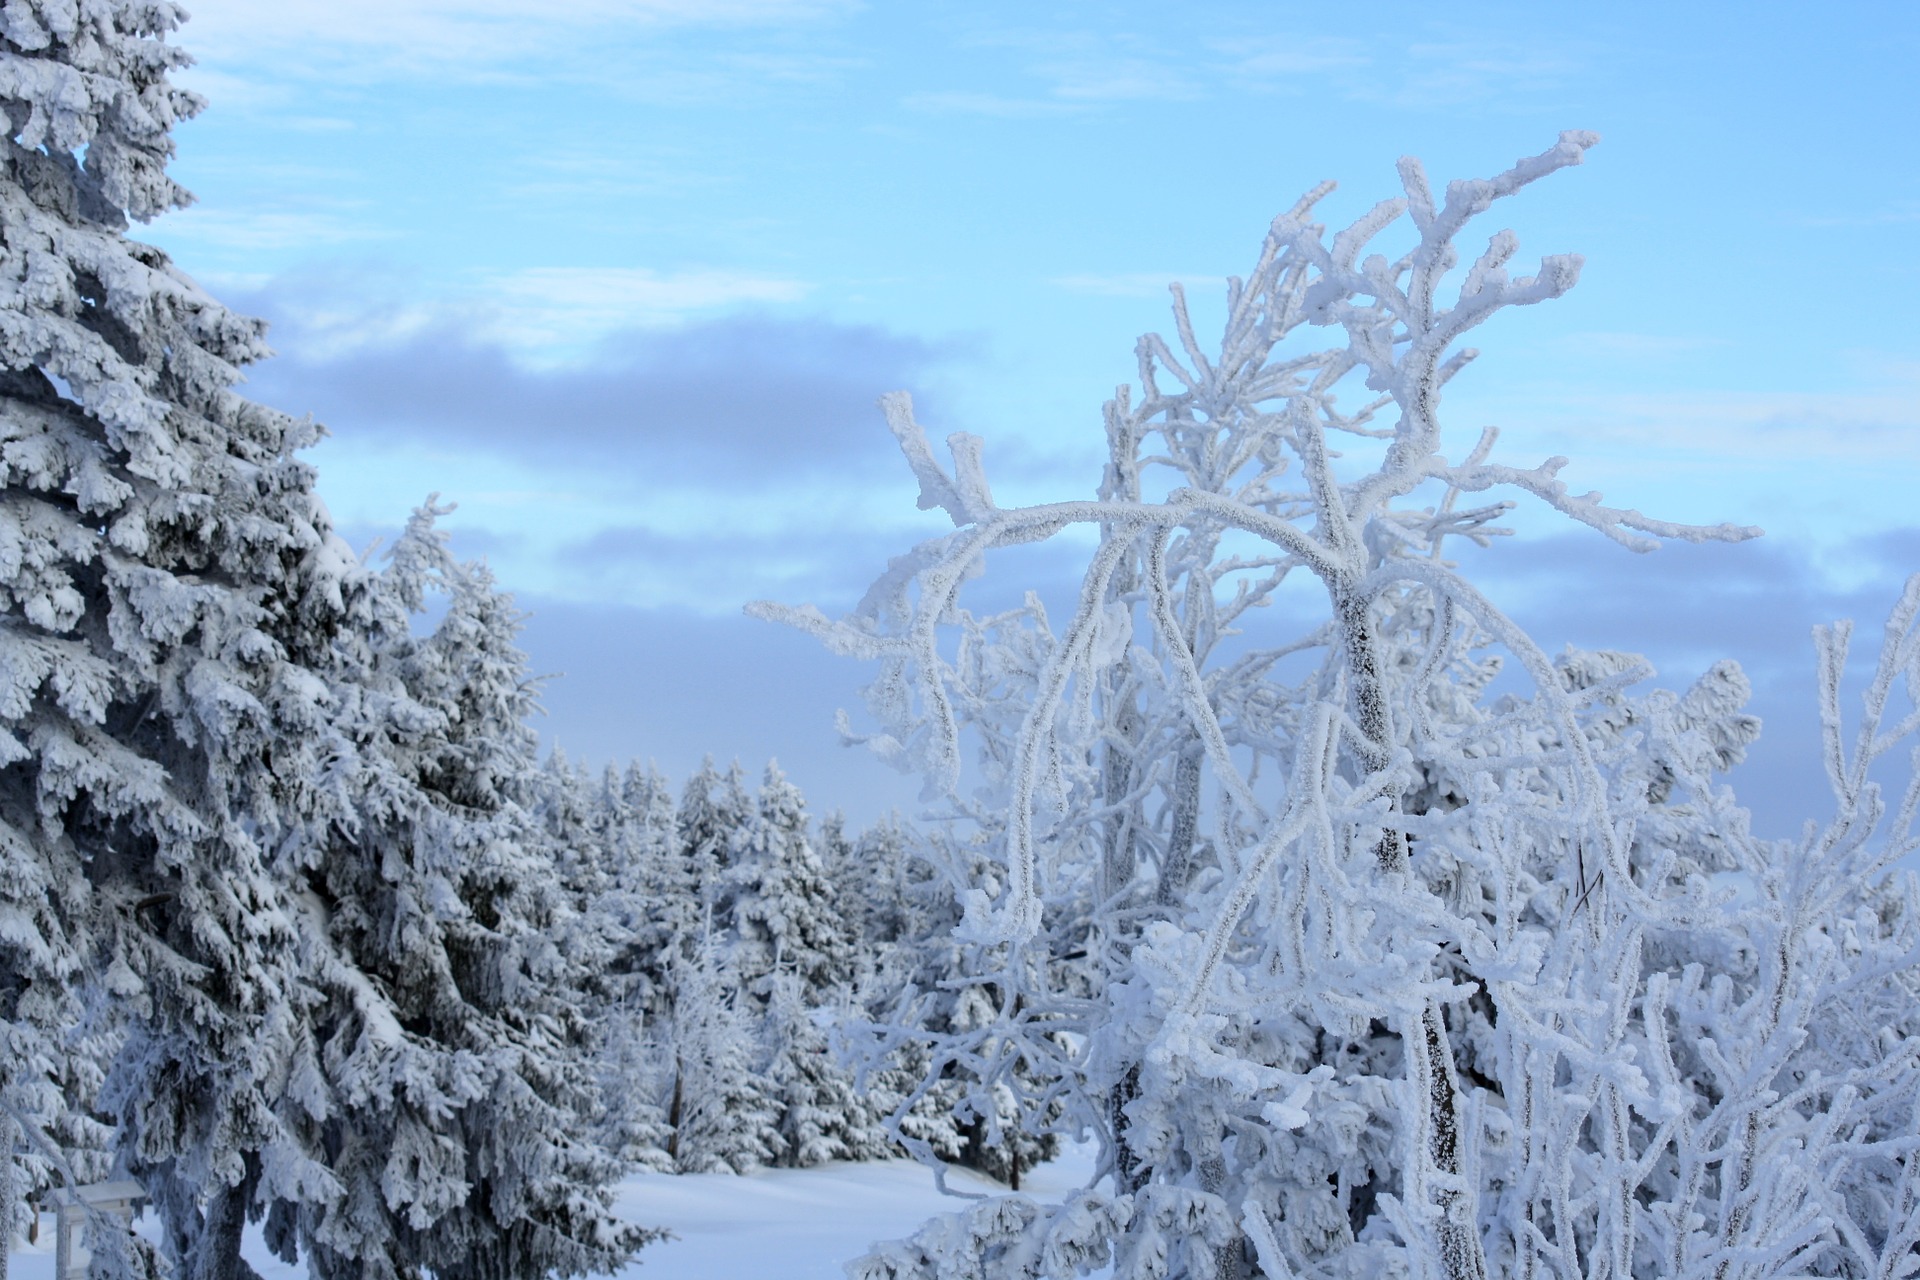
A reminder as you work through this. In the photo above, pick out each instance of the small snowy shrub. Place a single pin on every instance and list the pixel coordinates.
(1353, 970)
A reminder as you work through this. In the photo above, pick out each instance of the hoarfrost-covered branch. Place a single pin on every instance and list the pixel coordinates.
(1451, 984)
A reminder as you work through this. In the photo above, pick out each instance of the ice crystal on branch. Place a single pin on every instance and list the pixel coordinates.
(1353, 970)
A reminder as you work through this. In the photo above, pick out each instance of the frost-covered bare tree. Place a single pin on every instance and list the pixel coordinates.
(1388, 977)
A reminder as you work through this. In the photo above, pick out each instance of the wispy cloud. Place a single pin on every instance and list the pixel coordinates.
(1134, 284)
(1271, 58)
(1419, 73)
(462, 30)
(547, 308)
(1111, 76)
(987, 104)
(1095, 68)
(742, 395)
(1902, 214)
(1452, 73)
(1740, 430)
(268, 229)
(535, 317)
(1809, 466)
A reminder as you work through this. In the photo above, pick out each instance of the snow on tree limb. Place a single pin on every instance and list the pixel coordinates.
(1453, 985)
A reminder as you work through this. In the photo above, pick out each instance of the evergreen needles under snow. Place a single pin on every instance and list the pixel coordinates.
(265, 852)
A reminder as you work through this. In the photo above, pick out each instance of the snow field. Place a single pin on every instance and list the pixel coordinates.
(771, 1224)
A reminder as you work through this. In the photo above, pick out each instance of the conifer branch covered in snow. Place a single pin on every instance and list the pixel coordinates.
(272, 922)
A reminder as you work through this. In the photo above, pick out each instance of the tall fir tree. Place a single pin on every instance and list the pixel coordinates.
(713, 807)
(645, 850)
(607, 850)
(777, 900)
(720, 1116)
(446, 1080)
(167, 585)
(203, 699)
(793, 946)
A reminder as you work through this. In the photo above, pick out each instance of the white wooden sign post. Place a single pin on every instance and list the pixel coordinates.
(70, 1205)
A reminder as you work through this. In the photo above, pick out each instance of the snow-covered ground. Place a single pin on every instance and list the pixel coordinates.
(777, 1224)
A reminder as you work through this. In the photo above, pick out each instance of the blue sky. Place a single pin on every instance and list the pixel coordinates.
(624, 277)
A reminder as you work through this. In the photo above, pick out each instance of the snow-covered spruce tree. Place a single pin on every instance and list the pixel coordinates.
(719, 1115)
(643, 851)
(1393, 979)
(713, 808)
(444, 1072)
(628, 830)
(644, 847)
(169, 587)
(683, 884)
(793, 954)
(822, 1114)
(869, 874)
(776, 900)
(585, 821)
(180, 694)
(656, 892)
(928, 1053)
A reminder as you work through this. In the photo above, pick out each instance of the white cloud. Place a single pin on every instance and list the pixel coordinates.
(543, 316)
(986, 104)
(266, 229)
(1753, 429)
(1107, 76)
(1454, 73)
(1135, 284)
(1805, 465)
(428, 34)
(545, 309)
(1289, 56)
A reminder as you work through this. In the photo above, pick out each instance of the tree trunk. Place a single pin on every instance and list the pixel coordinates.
(1178, 867)
(673, 1121)
(1212, 1167)
(1461, 1254)
(1118, 865)
(216, 1248)
(1128, 1176)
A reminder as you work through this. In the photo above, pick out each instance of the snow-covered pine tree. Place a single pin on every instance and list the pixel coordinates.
(931, 1054)
(1404, 980)
(168, 587)
(719, 1114)
(777, 902)
(823, 1115)
(713, 807)
(869, 875)
(577, 818)
(445, 1074)
(683, 884)
(618, 830)
(646, 849)
(907, 916)
(793, 953)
